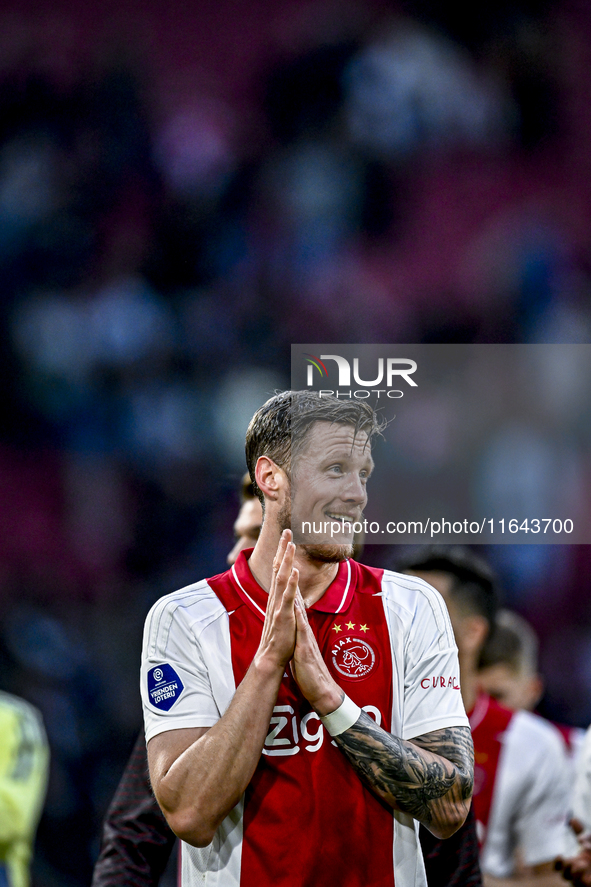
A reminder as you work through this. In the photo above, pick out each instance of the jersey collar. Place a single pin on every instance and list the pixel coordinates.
(336, 598)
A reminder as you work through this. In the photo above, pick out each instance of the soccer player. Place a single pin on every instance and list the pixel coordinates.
(136, 840)
(508, 667)
(508, 671)
(520, 775)
(303, 711)
(24, 766)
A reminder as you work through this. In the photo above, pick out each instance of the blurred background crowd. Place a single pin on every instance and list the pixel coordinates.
(185, 190)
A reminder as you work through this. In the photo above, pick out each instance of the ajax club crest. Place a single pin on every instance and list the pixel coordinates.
(353, 658)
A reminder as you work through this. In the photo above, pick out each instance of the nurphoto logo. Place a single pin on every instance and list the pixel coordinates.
(388, 371)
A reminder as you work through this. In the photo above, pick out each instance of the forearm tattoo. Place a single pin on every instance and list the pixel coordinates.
(425, 777)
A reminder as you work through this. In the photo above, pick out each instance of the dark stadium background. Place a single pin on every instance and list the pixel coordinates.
(185, 190)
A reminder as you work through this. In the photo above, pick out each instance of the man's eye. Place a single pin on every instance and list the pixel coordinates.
(336, 468)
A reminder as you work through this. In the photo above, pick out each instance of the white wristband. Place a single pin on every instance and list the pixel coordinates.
(342, 717)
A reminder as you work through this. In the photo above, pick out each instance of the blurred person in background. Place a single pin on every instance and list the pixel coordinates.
(24, 768)
(520, 796)
(508, 667)
(509, 672)
(136, 840)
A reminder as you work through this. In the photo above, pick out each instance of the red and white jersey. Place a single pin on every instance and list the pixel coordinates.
(521, 795)
(306, 819)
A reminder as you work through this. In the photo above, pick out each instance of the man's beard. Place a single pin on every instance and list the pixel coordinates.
(327, 554)
(319, 552)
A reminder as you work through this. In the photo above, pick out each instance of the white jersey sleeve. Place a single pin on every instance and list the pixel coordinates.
(178, 688)
(530, 799)
(423, 640)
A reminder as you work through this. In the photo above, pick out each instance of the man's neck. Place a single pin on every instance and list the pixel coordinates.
(315, 576)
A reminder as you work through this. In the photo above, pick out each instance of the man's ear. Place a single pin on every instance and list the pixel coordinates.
(536, 689)
(474, 633)
(270, 478)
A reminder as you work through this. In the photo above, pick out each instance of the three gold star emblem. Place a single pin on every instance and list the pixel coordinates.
(350, 625)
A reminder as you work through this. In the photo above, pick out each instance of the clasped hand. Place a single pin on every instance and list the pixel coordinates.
(288, 637)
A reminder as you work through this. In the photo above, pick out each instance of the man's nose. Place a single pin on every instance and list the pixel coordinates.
(355, 491)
